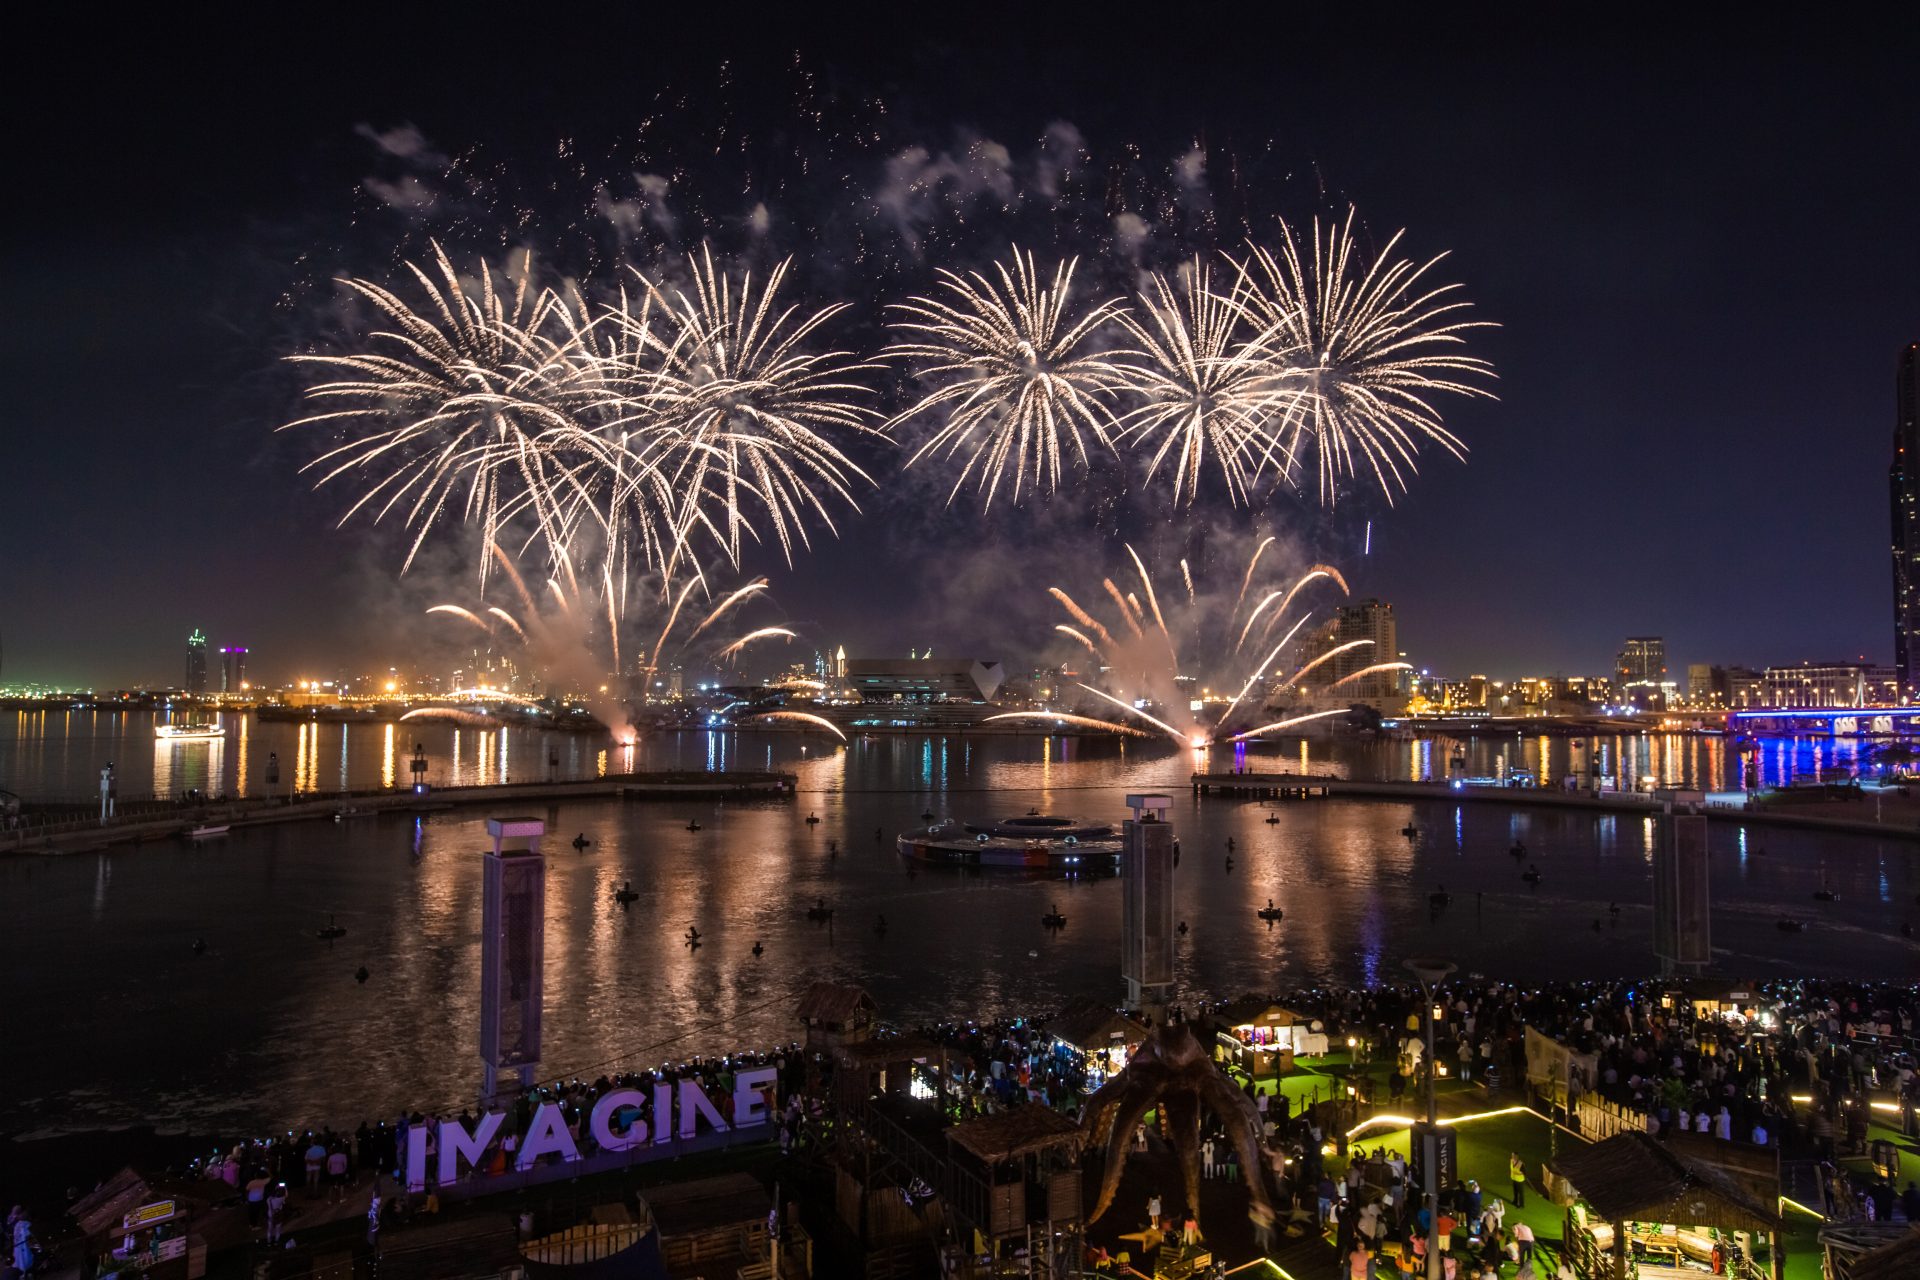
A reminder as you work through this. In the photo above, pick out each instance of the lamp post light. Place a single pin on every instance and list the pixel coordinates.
(1431, 972)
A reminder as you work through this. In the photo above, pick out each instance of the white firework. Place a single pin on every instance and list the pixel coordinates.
(1021, 381)
(1202, 390)
(1367, 347)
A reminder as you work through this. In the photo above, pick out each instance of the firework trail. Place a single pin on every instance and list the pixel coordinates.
(804, 717)
(1061, 717)
(1232, 647)
(1288, 723)
(1366, 348)
(1201, 390)
(565, 641)
(1023, 383)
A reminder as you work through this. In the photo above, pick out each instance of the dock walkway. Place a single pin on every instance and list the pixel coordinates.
(69, 830)
(1313, 786)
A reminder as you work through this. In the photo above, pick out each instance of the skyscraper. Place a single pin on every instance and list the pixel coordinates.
(1643, 660)
(233, 667)
(1337, 642)
(196, 662)
(1904, 481)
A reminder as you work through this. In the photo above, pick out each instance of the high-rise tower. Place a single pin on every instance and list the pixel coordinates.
(196, 662)
(1904, 481)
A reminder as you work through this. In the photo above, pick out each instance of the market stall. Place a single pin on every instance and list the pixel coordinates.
(1102, 1039)
(1263, 1039)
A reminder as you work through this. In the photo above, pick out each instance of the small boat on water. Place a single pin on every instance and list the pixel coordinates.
(208, 831)
(1053, 919)
(1409, 831)
(1036, 842)
(820, 911)
(1270, 913)
(189, 732)
(331, 930)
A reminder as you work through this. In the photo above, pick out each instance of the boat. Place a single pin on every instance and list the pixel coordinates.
(1053, 919)
(1035, 842)
(820, 911)
(1788, 926)
(1270, 912)
(208, 831)
(332, 930)
(189, 732)
(341, 815)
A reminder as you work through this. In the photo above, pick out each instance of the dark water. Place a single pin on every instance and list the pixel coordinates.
(110, 1018)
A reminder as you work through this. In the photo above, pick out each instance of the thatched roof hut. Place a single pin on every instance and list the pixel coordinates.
(836, 1013)
(1631, 1177)
(1015, 1132)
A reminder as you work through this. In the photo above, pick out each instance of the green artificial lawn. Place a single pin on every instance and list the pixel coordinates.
(1485, 1145)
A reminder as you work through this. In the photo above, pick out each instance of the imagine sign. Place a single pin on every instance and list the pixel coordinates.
(547, 1133)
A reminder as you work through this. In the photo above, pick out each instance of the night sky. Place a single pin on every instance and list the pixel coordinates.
(1703, 248)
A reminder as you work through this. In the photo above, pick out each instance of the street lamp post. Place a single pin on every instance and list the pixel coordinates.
(1431, 972)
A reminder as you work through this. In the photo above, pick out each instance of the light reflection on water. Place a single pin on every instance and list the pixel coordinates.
(269, 1028)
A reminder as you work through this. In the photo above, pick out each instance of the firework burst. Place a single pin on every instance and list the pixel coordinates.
(476, 403)
(739, 414)
(1200, 389)
(1366, 348)
(1214, 652)
(1022, 381)
(576, 635)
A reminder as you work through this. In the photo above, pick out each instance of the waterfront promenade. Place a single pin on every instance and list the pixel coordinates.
(77, 829)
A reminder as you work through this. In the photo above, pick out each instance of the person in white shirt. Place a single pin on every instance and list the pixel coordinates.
(1701, 1122)
(1723, 1125)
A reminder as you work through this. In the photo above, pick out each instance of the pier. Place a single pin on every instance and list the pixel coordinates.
(74, 827)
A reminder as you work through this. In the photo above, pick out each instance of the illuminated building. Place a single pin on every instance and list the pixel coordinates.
(1904, 481)
(196, 663)
(921, 679)
(1643, 660)
(233, 668)
(1367, 620)
(1830, 684)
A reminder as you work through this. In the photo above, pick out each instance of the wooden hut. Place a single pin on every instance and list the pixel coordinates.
(836, 1013)
(1014, 1180)
(1637, 1199)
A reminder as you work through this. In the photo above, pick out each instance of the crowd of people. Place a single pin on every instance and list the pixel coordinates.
(1799, 1065)
(275, 1174)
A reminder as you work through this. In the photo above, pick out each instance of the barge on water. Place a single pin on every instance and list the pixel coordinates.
(1036, 842)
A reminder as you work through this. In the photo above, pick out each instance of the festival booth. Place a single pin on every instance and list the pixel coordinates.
(1103, 1039)
(1712, 999)
(1262, 1039)
(1640, 1208)
(139, 1225)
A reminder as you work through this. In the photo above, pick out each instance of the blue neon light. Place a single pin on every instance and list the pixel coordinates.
(1801, 713)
